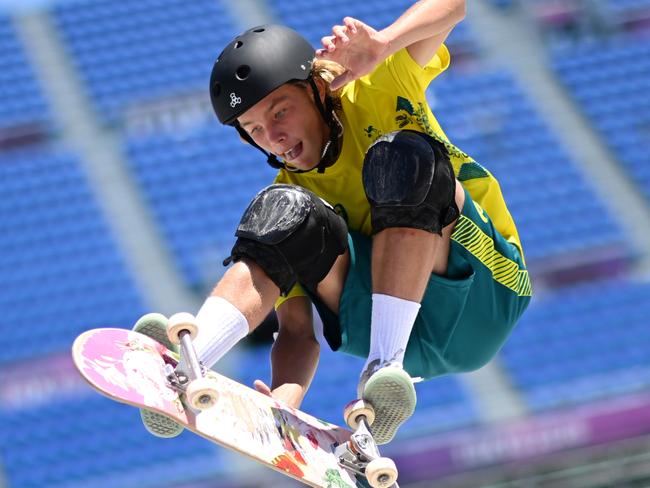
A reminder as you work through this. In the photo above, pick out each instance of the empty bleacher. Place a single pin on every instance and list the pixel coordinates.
(132, 52)
(582, 343)
(62, 272)
(24, 115)
(198, 186)
(92, 441)
(610, 82)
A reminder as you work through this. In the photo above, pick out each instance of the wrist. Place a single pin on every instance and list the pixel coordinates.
(388, 43)
(290, 393)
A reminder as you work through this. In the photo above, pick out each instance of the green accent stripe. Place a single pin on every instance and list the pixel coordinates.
(504, 270)
(471, 170)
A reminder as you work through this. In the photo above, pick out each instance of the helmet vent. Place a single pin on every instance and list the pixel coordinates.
(238, 44)
(259, 30)
(242, 72)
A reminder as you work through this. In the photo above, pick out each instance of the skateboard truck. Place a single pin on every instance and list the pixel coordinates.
(360, 453)
(199, 390)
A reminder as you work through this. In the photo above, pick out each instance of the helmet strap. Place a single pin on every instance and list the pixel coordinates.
(332, 148)
(270, 157)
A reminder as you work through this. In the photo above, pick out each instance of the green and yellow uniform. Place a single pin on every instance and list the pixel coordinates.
(467, 314)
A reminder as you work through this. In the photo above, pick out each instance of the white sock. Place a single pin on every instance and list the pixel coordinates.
(221, 326)
(390, 328)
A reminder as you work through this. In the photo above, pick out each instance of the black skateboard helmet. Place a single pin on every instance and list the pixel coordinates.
(253, 65)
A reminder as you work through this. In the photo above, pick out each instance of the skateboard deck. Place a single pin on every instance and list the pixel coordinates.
(129, 367)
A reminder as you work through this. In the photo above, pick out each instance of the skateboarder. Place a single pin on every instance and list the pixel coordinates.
(402, 241)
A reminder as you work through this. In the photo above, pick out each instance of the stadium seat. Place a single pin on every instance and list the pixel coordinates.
(22, 104)
(62, 265)
(581, 343)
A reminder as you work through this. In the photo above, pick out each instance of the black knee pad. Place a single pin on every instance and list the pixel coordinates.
(292, 234)
(410, 182)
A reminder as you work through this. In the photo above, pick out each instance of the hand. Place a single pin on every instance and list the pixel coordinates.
(290, 394)
(263, 388)
(355, 46)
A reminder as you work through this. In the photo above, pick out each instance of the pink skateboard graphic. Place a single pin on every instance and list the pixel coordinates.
(134, 369)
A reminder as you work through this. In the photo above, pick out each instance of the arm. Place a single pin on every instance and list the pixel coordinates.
(424, 27)
(295, 353)
(421, 29)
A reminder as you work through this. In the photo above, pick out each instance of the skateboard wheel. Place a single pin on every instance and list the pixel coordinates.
(201, 394)
(355, 410)
(180, 322)
(381, 472)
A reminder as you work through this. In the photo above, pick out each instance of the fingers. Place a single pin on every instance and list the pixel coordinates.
(341, 80)
(328, 44)
(351, 24)
(340, 35)
(262, 387)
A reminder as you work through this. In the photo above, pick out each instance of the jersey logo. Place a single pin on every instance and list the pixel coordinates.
(371, 131)
(407, 114)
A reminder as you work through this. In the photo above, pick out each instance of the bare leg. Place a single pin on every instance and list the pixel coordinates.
(248, 288)
(329, 290)
(403, 259)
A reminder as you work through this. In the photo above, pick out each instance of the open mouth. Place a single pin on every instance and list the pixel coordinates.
(293, 153)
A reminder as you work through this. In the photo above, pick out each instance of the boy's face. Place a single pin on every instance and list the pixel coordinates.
(287, 123)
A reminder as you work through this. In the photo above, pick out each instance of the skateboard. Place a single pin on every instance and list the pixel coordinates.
(135, 369)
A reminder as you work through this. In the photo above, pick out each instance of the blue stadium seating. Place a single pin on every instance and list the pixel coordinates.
(21, 99)
(557, 211)
(625, 9)
(89, 440)
(62, 272)
(582, 343)
(610, 81)
(198, 185)
(129, 52)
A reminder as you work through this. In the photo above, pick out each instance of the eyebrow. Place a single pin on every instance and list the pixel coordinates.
(279, 99)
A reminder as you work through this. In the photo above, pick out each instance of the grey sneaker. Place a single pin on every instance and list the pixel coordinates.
(154, 325)
(390, 391)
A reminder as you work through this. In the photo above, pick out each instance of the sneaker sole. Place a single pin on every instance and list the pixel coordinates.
(391, 393)
(159, 425)
(154, 325)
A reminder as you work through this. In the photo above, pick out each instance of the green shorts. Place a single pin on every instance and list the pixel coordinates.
(466, 315)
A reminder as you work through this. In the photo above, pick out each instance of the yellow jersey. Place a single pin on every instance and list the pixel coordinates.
(392, 98)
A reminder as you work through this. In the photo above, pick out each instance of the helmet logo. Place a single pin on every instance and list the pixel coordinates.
(234, 100)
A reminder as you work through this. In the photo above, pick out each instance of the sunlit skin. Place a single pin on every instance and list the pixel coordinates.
(287, 123)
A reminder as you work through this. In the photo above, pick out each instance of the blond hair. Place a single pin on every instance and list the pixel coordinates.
(326, 70)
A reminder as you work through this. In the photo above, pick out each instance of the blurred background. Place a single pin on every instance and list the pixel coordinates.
(120, 193)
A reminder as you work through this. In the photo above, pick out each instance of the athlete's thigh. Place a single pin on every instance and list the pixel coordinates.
(330, 288)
